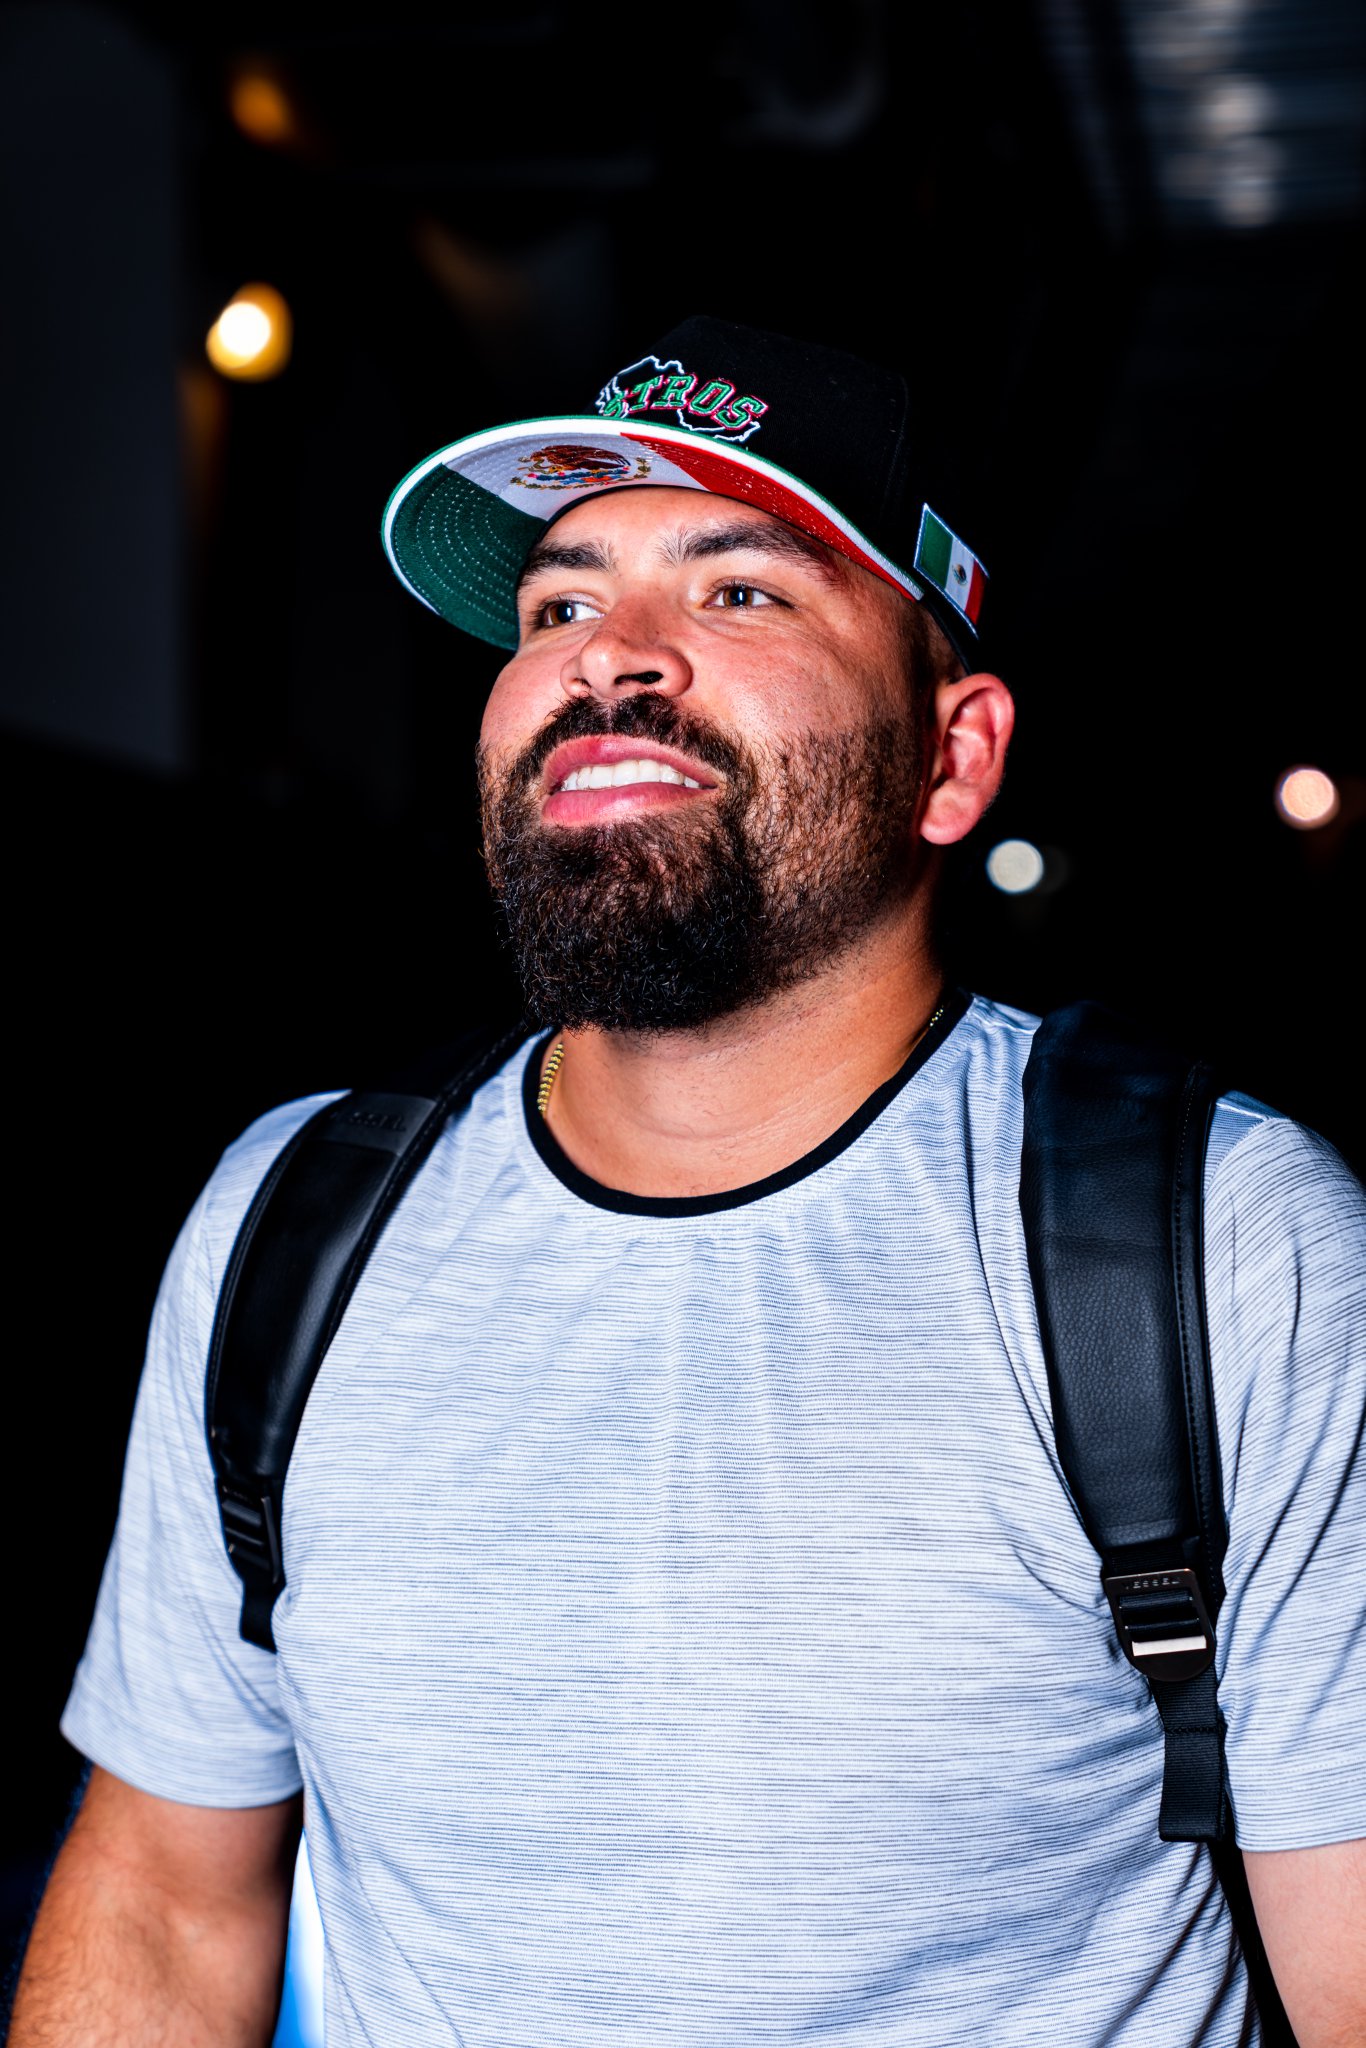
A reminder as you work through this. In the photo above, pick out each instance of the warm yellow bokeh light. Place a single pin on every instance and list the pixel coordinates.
(243, 331)
(260, 107)
(251, 337)
(1307, 798)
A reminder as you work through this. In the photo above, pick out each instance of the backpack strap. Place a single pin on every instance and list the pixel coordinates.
(1111, 1193)
(299, 1253)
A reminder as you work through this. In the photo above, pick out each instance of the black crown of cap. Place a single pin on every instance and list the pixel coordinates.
(840, 424)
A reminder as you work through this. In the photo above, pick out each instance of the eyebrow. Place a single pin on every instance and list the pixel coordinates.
(741, 537)
(695, 544)
(560, 555)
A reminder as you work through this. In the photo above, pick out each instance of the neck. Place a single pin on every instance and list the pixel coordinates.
(698, 1112)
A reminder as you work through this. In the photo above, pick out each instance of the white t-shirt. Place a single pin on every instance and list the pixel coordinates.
(689, 1641)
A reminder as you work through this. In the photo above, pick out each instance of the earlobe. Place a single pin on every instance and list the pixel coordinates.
(973, 719)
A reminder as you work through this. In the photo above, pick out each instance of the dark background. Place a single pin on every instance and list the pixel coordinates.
(1117, 241)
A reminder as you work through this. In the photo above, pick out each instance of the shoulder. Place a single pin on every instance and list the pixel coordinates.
(468, 1153)
(1254, 1142)
(1277, 1190)
(992, 1043)
(194, 1270)
(1285, 1228)
(1001, 1026)
(228, 1193)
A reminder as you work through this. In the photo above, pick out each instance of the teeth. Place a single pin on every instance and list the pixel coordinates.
(617, 775)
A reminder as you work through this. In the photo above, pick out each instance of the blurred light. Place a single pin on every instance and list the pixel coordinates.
(244, 330)
(252, 335)
(1307, 798)
(1015, 866)
(1199, 35)
(261, 108)
(1231, 114)
(1247, 190)
(1234, 106)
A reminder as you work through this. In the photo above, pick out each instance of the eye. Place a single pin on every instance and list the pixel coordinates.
(740, 597)
(564, 611)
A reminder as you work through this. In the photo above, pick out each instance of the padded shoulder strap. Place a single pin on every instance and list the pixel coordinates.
(1111, 1194)
(302, 1248)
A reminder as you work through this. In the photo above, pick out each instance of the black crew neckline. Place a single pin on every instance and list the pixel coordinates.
(955, 1007)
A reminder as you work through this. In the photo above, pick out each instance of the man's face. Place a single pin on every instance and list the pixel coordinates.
(700, 769)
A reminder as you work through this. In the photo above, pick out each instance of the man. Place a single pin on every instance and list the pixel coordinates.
(688, 1637)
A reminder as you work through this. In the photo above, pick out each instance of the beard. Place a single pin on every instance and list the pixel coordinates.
(668, 921)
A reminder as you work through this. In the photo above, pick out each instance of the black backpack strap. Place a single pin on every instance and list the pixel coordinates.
(299, 1253)
(1111, 1192)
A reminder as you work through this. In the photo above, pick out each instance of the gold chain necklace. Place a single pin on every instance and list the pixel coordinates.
(552, 1068)
(556, 1061)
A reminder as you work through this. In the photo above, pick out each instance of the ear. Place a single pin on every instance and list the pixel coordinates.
(971, 723)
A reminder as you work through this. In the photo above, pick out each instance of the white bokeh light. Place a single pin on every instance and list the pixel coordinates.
(1015, 866)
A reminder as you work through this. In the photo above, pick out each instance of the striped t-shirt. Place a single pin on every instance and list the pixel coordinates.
(689, 1641)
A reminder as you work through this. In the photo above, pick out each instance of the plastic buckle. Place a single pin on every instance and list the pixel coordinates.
(1161, 1621)
(252, 1529)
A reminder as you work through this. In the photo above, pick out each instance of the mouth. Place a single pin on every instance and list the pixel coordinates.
(613, 775)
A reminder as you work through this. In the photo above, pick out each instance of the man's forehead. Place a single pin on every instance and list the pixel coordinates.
(675, 527)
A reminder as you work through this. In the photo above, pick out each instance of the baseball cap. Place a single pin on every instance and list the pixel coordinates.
(821, 439)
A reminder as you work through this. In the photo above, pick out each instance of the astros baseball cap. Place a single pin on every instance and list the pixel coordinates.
(820, 439)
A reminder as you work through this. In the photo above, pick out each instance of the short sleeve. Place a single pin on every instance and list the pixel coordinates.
(167, 1695)
(1286, 1287)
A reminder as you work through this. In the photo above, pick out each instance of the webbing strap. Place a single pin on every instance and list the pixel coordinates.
(1194, 1800)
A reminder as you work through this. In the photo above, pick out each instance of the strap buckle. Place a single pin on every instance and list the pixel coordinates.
(1162, 1624)
(251, 1526)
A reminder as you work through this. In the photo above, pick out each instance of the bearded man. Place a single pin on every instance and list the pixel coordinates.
(687, 1638)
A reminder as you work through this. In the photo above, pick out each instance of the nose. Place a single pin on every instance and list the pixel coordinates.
(628, 650)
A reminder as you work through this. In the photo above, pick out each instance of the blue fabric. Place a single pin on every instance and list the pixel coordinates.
(689, 1639)
(301, 2003)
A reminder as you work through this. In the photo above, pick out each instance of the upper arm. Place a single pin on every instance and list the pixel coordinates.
(161, 1922)
(1311, 1912)
(230, 1856)
(1287, 1244)
(167, 1695)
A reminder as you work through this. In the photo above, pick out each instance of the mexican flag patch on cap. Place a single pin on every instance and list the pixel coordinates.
(952, 568)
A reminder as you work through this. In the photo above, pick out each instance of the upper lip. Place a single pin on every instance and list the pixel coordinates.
(607, 748)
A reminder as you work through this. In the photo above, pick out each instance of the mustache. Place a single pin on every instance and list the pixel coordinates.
(641, 716)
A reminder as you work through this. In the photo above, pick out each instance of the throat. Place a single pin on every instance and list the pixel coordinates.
(708, 1112)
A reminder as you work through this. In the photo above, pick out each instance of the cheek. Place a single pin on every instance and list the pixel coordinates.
(517, 704)
(819, 689)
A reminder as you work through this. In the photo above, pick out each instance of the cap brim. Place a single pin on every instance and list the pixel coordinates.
(460, 526)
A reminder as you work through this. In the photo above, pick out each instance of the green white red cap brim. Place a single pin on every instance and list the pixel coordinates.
(460, 525)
